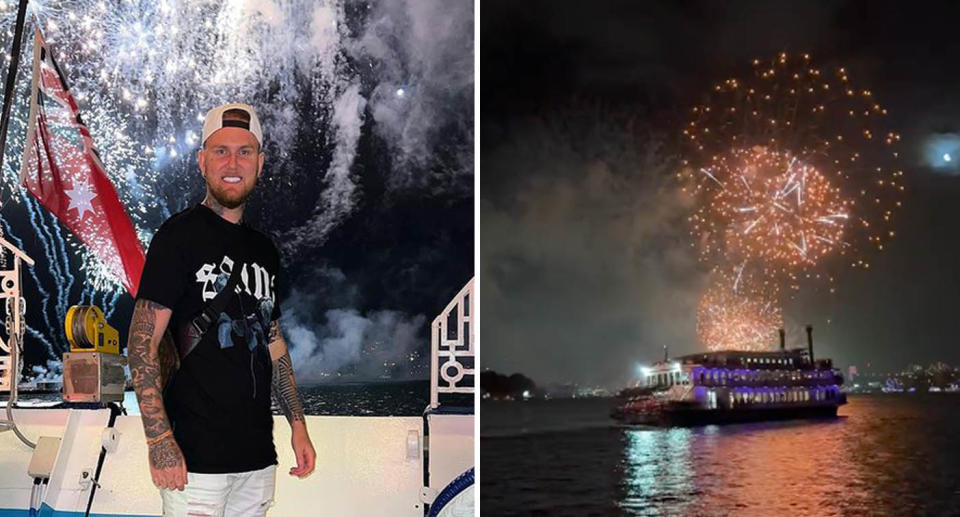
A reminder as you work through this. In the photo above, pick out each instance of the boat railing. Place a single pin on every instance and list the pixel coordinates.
(13, 304)
(768, 382)
(452, 340)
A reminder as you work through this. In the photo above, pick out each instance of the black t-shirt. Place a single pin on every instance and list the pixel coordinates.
(218, 401)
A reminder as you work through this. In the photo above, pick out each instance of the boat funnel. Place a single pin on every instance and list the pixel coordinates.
(783, 340)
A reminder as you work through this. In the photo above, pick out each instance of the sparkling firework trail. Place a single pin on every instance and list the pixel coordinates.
(735, 314)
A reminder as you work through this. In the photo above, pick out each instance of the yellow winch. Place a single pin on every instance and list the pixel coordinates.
(88, 331)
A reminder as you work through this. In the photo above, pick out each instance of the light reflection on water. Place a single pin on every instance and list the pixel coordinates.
(646, 476)
(885, 456)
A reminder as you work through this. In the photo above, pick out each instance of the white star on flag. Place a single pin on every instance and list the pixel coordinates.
(80, 197)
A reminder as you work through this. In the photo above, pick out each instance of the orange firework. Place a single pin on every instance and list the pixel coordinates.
(790, 167)
(773, 208)
(735, 315)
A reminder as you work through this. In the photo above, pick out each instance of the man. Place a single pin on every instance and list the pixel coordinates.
(209, 428)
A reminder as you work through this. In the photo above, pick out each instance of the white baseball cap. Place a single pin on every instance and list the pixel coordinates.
(214, 121)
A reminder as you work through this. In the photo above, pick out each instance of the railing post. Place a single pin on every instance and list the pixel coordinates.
(453, 350)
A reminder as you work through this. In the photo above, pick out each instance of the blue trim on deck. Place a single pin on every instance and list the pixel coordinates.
(449, 410)
(47, 511)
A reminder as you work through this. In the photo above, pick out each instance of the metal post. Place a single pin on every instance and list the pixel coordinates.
(11, 76)
(14, 338)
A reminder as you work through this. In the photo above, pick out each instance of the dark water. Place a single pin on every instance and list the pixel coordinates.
(407, 398)
(364, 399)
(886, 455)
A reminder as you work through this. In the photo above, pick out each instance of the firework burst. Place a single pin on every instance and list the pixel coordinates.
(737, 313)
(790, 167)
(774, 209)
(792, 172)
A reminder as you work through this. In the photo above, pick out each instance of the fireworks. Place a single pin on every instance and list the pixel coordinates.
(320, 74)
(773, 209)
(791, 129)
(734, 315)
(792, 173)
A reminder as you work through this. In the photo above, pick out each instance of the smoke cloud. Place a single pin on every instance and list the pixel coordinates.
(423, 55)
(345, 341)
(586, 259)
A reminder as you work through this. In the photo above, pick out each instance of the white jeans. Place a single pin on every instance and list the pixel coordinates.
(244, 494)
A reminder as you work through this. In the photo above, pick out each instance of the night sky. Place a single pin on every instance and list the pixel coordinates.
(585, 258)
(368, 182)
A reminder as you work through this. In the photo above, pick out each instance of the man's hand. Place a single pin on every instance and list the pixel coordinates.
(167, 467)
(303, 450)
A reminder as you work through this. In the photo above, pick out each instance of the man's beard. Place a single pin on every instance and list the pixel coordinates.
(232, 201)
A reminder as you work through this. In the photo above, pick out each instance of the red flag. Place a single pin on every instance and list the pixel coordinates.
(62, 169)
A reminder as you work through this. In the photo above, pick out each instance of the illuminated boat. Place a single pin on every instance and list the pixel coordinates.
(733, 386)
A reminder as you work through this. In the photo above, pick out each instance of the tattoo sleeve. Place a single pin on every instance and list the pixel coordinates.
(284, 385)
(146, 368)
(168, 357)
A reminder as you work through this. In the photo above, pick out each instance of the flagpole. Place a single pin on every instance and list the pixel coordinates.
(11, 77)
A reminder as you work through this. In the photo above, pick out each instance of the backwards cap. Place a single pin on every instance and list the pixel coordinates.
(215, 121)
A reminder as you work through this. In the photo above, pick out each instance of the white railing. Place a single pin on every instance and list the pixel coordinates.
(453, 347)
(12, 308)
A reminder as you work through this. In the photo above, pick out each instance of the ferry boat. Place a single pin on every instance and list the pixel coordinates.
(733, 386)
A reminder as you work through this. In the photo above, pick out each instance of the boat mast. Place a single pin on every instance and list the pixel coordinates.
(11, 77)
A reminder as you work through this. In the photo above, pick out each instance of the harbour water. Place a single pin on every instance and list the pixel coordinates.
(387, 398)
(885, 455)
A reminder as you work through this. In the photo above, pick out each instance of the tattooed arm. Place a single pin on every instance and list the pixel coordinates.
(147, 327)
(284, 388)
